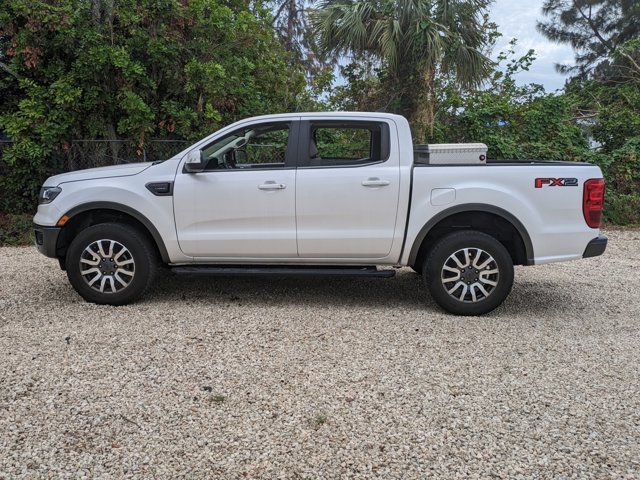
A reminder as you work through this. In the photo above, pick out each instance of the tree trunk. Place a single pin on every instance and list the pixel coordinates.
(291, 18)
(96, 9)
(113, 144)
(419, 102)
(431, 104)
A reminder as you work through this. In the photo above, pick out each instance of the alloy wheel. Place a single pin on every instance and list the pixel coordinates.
(470, 275)
(107, 266)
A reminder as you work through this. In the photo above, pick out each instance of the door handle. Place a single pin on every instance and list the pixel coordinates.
(375, 182)
(271, 185)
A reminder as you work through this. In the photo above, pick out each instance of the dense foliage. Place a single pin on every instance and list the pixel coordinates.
(130, 69)
(522, 122)
(178, 69)
(415, 41)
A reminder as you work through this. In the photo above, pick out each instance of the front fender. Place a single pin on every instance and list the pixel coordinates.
(154, 212)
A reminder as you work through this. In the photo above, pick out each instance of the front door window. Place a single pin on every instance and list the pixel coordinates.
(254, 147)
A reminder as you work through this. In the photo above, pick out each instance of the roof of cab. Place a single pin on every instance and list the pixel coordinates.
(278, 116)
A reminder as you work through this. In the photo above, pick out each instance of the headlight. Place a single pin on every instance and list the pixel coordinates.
(48, 194)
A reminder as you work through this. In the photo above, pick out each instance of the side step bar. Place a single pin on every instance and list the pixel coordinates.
(270, 270)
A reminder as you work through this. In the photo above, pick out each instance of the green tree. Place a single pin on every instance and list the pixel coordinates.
(291, 23)
(604, 92)
(131, 69)
(610, 111)
(515, 121)
(601, 32)
(414, 40)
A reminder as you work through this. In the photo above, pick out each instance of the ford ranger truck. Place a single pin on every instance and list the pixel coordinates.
(339, 194)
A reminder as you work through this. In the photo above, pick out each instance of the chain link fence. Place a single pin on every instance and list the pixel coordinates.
(19, 184)
(83, 154)
(101, 153)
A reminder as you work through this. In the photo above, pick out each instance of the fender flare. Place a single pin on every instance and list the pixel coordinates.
(473, 207)
(157, 238)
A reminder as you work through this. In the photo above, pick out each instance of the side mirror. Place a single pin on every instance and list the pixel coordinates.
(195, 163)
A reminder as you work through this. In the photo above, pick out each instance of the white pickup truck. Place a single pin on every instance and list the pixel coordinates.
(334, 193)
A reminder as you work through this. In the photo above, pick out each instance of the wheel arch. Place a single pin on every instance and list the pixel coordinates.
(465, 213)
(93, 213)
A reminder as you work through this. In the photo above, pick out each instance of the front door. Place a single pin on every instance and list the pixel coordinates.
(243, 203)
(347, 188)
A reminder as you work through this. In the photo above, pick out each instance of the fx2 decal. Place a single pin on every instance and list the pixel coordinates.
(556, 182)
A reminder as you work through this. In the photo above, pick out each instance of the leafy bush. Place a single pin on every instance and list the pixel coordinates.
(621, 168)
(16, 229)
(520, 122)
(153, 68)
(622, 209)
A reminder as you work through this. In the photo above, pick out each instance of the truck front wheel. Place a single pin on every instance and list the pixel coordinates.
(110, 263)
(468, 273)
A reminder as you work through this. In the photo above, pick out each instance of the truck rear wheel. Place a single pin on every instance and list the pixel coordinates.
(468, 273)
(111, 264)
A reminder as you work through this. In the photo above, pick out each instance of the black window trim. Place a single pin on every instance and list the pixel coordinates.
(290, 156)
(304, 133)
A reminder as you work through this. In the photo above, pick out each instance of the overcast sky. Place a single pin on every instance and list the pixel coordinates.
(517, 18)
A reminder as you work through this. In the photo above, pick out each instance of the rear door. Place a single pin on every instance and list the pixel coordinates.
(347, 187)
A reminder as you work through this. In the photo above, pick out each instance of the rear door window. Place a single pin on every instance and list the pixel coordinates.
(343, 144)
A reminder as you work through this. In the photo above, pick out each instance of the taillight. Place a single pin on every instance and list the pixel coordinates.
(592, 200)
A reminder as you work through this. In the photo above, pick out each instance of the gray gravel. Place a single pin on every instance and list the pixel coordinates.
(322, 378)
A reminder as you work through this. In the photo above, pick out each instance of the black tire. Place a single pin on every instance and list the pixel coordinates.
(139, 249)
(479, 303)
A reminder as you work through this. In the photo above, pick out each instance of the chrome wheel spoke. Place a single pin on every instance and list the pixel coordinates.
(464, 292)
(467, 257)
(90, 262)
(455, 258)
(477, 257)
(453, 278)
(91, 270)
(455, 287)
(483, 264)
(122, 281)
(450, 269)
(95, 279)
(119, 254)
(103, 282)
(488, 282)
(482, 289)
(472, 288)
(101, 249)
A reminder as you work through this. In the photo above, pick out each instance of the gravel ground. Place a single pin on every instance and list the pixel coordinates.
(227, 378)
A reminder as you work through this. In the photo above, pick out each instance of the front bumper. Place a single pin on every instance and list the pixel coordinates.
(595, 247)
(46, 239)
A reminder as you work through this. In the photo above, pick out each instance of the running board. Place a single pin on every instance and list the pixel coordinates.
(306, 271)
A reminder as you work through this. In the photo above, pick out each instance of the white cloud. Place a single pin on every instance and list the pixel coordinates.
(517, 19)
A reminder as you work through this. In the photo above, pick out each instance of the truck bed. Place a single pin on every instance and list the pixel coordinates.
(552, 214)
